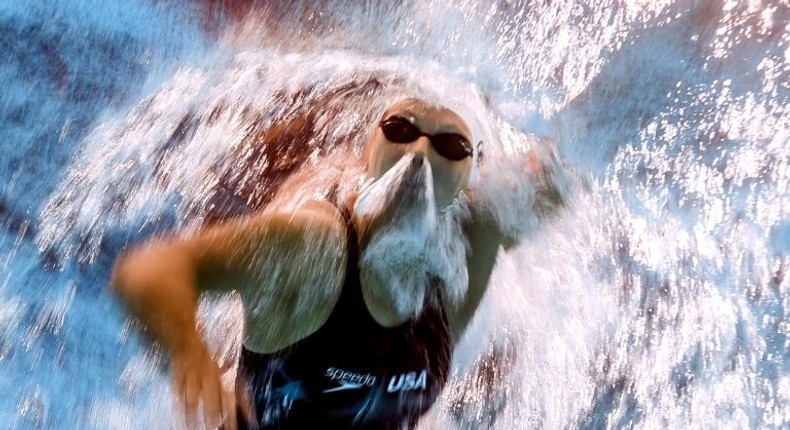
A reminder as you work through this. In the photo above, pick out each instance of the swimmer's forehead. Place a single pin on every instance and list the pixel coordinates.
(430, 118)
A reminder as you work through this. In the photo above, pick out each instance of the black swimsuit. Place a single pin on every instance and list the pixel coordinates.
(352, 372)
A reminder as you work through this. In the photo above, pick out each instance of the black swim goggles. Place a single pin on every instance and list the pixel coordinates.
(451, 146)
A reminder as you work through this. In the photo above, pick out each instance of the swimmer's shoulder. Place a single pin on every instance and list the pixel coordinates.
(295, 286)
(314, 227)
(249, 246)
(321, 214)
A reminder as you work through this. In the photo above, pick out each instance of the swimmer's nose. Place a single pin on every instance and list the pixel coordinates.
(421, 146)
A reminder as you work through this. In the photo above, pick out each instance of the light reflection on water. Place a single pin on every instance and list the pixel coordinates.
(657, 299)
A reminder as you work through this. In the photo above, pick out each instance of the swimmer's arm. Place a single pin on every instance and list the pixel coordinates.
(287, 266)
(238, 254)
(485, 239)
(535, 193)
(159, 283)
(486, 235)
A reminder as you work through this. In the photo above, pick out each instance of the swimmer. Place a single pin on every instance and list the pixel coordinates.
(370, 295)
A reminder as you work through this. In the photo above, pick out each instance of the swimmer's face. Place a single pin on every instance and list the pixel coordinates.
(441, 136)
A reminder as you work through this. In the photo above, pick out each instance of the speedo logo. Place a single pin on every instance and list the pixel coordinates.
(408, 381)
(348, 380)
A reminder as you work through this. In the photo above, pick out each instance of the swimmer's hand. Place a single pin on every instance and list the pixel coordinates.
(520, 192)
(156, 282)
(539, 168)
(196, 380)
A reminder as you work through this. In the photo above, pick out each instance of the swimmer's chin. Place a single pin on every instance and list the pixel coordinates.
(394, 275)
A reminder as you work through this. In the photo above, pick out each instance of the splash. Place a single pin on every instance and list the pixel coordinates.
(656, 297)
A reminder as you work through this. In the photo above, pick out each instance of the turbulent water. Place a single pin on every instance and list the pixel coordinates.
(657, 297)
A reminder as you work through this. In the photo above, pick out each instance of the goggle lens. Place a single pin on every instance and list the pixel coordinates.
(452, 146)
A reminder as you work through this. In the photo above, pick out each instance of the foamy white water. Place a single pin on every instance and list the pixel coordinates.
(656, 299)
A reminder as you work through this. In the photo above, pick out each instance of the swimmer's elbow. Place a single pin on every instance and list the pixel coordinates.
(127, 279)
(140, 270)
(118, 276)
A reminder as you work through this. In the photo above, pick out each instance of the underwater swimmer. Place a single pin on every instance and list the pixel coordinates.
(371, 294)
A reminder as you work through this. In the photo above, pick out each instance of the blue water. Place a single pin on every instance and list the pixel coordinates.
(657, 298)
